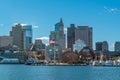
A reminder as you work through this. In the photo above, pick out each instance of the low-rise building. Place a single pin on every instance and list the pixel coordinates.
(6, 41)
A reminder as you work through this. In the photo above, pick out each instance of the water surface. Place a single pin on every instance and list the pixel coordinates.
(25, 72)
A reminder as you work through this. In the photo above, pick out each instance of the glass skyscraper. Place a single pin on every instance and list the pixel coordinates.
(57, 27)
(22, 35)
(27, 35)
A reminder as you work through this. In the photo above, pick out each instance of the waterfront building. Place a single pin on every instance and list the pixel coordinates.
(20, 55)
(79, 44)
(22, 35)
(102, 46)
(117, 46)
(52, 52)
(71, 36)
(6, 41)
(38, 46)
(69, 57)
(86, 54)
(84, 33)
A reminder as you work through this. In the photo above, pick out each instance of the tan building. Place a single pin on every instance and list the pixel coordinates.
(6, 41)
(84, 33)
(22, 35)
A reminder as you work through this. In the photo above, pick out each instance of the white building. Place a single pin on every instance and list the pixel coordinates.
(79, 44)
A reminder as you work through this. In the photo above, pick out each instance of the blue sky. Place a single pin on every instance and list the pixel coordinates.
(102, 15)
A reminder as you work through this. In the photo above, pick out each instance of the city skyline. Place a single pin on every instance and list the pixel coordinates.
(102, 15)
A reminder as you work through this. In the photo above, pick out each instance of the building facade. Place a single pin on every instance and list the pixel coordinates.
(84, 33)
(117, 46)
(58, 35)
(102, 46)
(22, 35)
(58, 39)
(71, 36)
(79, 44)
(52, 53)
(38, 46)
(6, 41)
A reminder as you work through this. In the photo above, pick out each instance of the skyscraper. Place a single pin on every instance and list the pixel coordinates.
(98, 46)
(58, 35)
(71, 36)
(84, 33)
(58, 39)
(102, 46)
(117, 46)
(22, 35)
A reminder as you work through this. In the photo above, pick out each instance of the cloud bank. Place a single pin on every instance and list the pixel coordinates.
(43, 38)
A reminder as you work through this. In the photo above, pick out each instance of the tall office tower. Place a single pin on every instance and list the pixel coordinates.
(105, 46)
(117, 46)
(57, 41)
(58, 35)
(98, 46)
(102, 46)
(71, 36)
(22, 35)
(84, 33)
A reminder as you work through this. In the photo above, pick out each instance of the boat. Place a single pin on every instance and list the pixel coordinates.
(95, 63)
(116, 63)
(35, 61)
(108, 63)
(101, 62)
(30, 61)
(9, 61)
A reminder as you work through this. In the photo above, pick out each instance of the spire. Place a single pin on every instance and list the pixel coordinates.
(61, 25)
(61, 20)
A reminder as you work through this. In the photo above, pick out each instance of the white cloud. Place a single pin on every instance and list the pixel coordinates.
(111, 10)
(20, 24)
(23, 24)
(65, 30)
(43, 38)
(35, 27)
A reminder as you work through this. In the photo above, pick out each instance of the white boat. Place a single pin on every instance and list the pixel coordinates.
(95, 63)
(116, 63)
(101, 62)
(118, 60)
(108, 63)
(35, 61)
(9, 60)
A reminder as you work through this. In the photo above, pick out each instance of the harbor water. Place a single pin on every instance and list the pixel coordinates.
(28, 72)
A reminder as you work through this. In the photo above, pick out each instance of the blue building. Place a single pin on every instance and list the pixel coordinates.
(57, 27)
(27, 35)
(22, 35)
